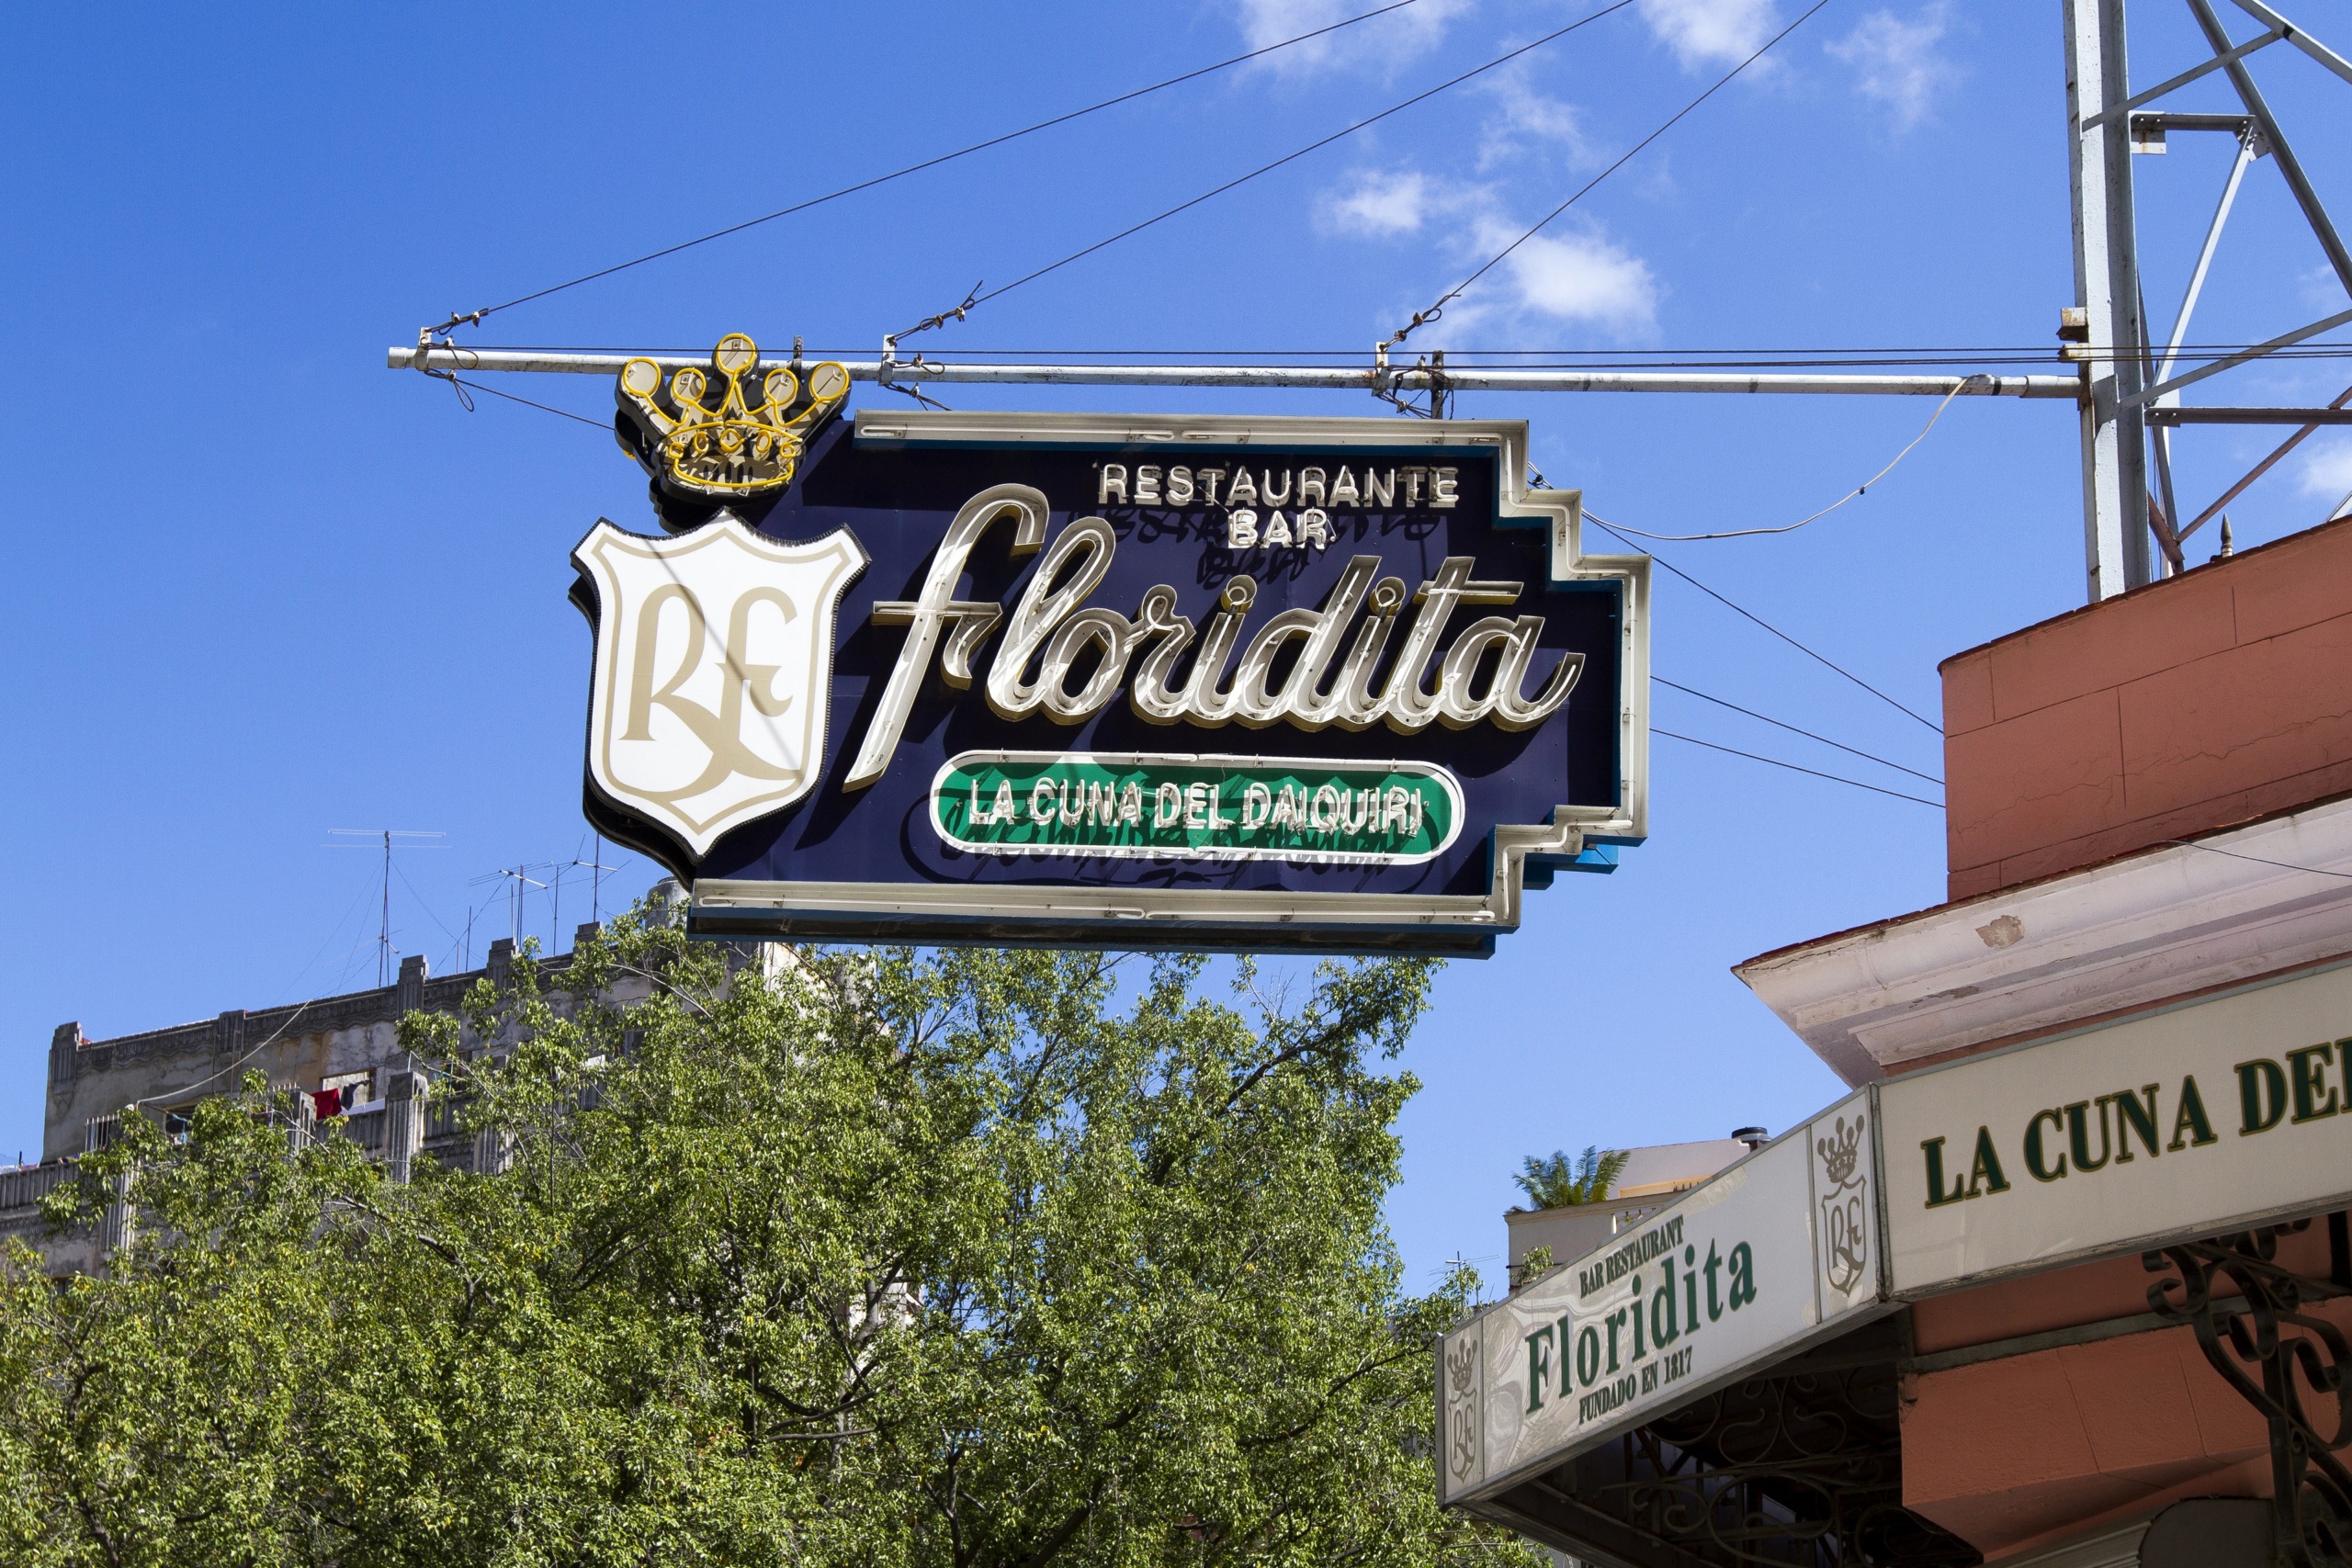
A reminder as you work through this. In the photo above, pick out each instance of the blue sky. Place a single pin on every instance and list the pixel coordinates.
(266, 589)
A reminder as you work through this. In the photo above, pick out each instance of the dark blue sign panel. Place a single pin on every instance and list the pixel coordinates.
(1134, 681)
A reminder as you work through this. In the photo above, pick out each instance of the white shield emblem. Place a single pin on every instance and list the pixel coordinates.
(714, 656)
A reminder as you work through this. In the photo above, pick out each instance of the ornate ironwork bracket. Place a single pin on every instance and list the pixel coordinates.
(1802, 1468)
(2271, 1336)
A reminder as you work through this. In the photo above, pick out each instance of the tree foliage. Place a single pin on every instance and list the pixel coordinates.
(1560, 1182)
(976, 1260)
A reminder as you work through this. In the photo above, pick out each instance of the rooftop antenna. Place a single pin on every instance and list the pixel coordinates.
(518, 879)
(595, 870)
(523, 879)
(384, 931)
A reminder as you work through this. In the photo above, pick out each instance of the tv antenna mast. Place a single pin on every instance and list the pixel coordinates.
(595, 868)
(384, 929)
(518, 879)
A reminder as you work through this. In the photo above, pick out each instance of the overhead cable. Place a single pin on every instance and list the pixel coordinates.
(179, 1090)
(2283, 865)
(1422, 318)
(1809, 734)
(474, 317)
(1537, 480)
(1821, 658)
(1861, 490)
(958, 312)
(465, 385)
(1775, 762)
(422, 905)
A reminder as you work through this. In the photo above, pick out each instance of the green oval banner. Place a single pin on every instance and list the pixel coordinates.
(1142, 806)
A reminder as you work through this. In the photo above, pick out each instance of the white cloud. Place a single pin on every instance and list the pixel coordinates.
(1702, 32)
(1381, 44)
(1896, 61)
(2327, 473)
(1377, 205)
(1577, 277)
(1585, 278)
(1525, 117)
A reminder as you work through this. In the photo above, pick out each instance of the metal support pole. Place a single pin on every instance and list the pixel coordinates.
(901, 373)
(2106, 288)
(2159, 434)
(2205, 259)
(2290, 166)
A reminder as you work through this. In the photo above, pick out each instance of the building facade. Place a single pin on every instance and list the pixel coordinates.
(338, 1056)
(2080, 1286)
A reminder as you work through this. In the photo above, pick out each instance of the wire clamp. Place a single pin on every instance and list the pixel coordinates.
(430, 338)
(953, 313)
(1422, 318)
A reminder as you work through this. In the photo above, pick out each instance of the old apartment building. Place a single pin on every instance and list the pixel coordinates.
(340, 1055)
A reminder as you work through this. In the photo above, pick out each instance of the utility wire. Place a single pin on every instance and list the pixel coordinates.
(475, 317)
(1809, 734)
(1422, 318)
(978, 299)
(1861, 490)
(428, 909)
(1820, 658)
(1833, 778)
(2193, 844)
(175, 1092)
(1536, 480)
(597, 424)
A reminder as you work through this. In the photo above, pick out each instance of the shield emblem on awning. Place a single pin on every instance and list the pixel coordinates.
(713, 663)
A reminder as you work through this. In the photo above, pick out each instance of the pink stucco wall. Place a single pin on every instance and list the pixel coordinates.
(2184, 706)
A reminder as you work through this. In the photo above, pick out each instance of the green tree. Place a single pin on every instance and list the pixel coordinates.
(1560, 1182)
(977, 1260)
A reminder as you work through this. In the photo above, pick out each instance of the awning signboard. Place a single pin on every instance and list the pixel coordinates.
(2200, 1119)
(2206, 1117)
(1776, 1251)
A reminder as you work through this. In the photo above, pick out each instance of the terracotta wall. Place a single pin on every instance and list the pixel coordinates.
(2184, 706)
(2042, 1440)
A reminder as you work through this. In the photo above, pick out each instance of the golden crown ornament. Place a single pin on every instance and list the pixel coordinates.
(729, 433)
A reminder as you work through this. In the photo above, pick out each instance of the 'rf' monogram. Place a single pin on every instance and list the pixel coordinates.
(696, 730)
(720, 732)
